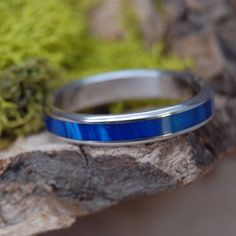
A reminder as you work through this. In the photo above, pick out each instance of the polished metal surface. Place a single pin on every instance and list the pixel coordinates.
(133, 84)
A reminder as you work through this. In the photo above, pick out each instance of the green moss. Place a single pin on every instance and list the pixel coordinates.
(58, 31)
(23, 89)
(49, 29)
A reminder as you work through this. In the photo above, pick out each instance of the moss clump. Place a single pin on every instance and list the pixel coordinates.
(55, 30)
(23, 89)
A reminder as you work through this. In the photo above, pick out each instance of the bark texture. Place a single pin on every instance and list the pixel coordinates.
(45, 184)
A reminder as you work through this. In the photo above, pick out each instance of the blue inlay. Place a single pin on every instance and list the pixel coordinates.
(130, 131)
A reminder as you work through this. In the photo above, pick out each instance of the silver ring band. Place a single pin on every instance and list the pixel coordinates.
(195, 110)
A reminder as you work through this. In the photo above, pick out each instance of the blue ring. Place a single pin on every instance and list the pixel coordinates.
(131, 130)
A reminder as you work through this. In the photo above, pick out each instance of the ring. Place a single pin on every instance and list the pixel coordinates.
(195, 109)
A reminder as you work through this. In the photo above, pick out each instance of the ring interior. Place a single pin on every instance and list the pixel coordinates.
(95, 91)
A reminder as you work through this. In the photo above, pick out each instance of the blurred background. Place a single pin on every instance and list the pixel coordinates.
(45, 44)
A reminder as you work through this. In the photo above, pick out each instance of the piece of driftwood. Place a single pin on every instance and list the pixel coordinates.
(45, 184)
